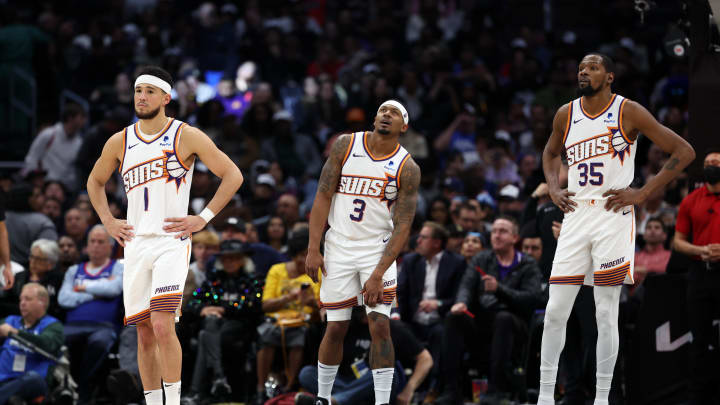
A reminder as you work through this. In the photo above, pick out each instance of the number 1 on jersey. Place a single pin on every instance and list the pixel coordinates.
(147, 200)
(359, 210)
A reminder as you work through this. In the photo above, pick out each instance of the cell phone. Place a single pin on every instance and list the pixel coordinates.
(304, 286)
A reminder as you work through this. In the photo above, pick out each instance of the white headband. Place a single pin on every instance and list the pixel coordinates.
(400, 107)
(155, 81)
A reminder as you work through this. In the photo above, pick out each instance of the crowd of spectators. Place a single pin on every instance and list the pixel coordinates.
(273, 83)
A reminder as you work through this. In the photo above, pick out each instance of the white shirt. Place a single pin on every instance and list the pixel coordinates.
(54, 151)
(430, 290)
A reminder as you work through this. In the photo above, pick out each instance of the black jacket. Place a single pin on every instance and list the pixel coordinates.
(411, 283)
(519, 292)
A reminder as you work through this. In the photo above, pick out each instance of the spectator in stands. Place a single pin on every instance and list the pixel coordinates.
(55, 148)
(472, 245)
(288, 208)
(500, 287)
(427, 285)
(76, 224)
(439, 211)
(52, 209)
(69, 253)
(654, 206)
(276, 234)
(467, 218)
(297, 154)
(697, 235)
(226, 319)
(205, 244)
(24, 372)
(353, 383)
(456, 238)
(24, 225)
(89, 152)
(44, 254)
(91, 294)
(263, 256)
(531, 244)
(290, 300)
(653, 258)
(263, 195)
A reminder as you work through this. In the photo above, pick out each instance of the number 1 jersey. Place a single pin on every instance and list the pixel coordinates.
(600, 155)
(157, 183)
(363, 203)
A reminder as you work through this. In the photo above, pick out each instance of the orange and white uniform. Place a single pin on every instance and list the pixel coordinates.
(360, 222)
(158, 187)
(596, 246)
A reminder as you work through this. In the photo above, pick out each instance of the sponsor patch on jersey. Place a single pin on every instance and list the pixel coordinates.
(611, 264)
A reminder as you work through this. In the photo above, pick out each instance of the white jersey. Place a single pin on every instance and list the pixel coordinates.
(156, 181)
(363, 204)
(600, 155)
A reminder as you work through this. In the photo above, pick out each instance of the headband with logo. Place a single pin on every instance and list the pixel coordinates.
(155, 81)
(400, 107)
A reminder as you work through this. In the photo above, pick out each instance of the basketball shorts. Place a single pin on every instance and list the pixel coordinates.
(596, 246)
(349, 265)
(154, 276)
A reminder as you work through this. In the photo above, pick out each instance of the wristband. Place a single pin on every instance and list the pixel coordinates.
(206, 214)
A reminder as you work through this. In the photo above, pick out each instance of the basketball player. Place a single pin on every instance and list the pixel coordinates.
(368, 194)
(597, 240)
(156, 158)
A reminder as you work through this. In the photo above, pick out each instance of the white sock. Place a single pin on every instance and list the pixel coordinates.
(172, 393)
(562, 298)
(326, 379)
(607, 301)
(382, 380)
(154, 397)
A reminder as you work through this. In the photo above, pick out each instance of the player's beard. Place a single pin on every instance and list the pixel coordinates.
(148, 115)
(587, 91)
(383, 131)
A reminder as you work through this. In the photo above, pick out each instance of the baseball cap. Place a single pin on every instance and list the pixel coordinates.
(233, 222)
(234, 246)
(266, 179)
(454, 184)
(511, 192)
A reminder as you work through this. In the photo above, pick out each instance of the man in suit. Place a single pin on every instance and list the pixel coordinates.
(427, 285)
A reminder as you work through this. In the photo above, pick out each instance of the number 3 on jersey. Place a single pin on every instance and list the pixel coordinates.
(359, 210)
(596, 177)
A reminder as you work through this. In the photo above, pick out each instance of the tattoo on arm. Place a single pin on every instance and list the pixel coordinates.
(382, 353)
(404, 209)
(671, 164)
(333, 166)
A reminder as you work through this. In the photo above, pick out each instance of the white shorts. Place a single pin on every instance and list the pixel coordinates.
(154, 275)
(596, 246)
(348, 267)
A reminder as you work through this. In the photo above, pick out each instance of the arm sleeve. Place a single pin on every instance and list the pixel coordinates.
(68, 297)
(51, 339)
(527, 296)
(47, 230)
(272, 281)
(468, 284)
(107, 287)
(37, 149)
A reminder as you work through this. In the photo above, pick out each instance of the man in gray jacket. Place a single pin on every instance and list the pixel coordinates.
(497, 295)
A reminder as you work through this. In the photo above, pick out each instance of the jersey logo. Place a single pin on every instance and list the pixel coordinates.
(612, 141)
(162, 167)
(374, 187)
(578, 120)
(620, 145)
(132, 146)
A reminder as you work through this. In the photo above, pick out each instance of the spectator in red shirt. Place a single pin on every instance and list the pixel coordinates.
(697, 233)
(653, 258)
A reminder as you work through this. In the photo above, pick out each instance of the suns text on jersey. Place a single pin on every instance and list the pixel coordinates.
(143, 173)
(364, 186)
(589, 148)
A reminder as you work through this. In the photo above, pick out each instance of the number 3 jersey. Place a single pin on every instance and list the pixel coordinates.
(364, 201)
(600, 155)
(157, 183)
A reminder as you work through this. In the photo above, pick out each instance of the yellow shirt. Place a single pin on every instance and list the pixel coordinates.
(278, 283)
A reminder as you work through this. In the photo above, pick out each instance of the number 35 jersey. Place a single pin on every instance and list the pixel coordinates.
(364, 201)
(157, 183)
(600, 155)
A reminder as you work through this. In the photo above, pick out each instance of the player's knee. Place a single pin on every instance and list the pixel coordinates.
(379, 326)
(336, 330)
(145, 334)
(163, 325)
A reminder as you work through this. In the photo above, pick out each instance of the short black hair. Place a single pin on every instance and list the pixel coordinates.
(607, 61)
(658, 220)
(156, 71)
(438, 232)
(298, 242)
(71, 110)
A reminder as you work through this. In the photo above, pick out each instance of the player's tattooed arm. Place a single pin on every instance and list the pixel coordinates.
(330, 174)
(404, 214)
(327, 185)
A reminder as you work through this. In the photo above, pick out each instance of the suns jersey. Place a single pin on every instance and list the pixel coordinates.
(600, 155)
(363, 203)
(157, 183)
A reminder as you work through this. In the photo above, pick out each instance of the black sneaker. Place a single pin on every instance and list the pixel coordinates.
(303, 398)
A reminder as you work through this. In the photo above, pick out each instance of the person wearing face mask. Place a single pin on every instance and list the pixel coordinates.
(697, 234)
